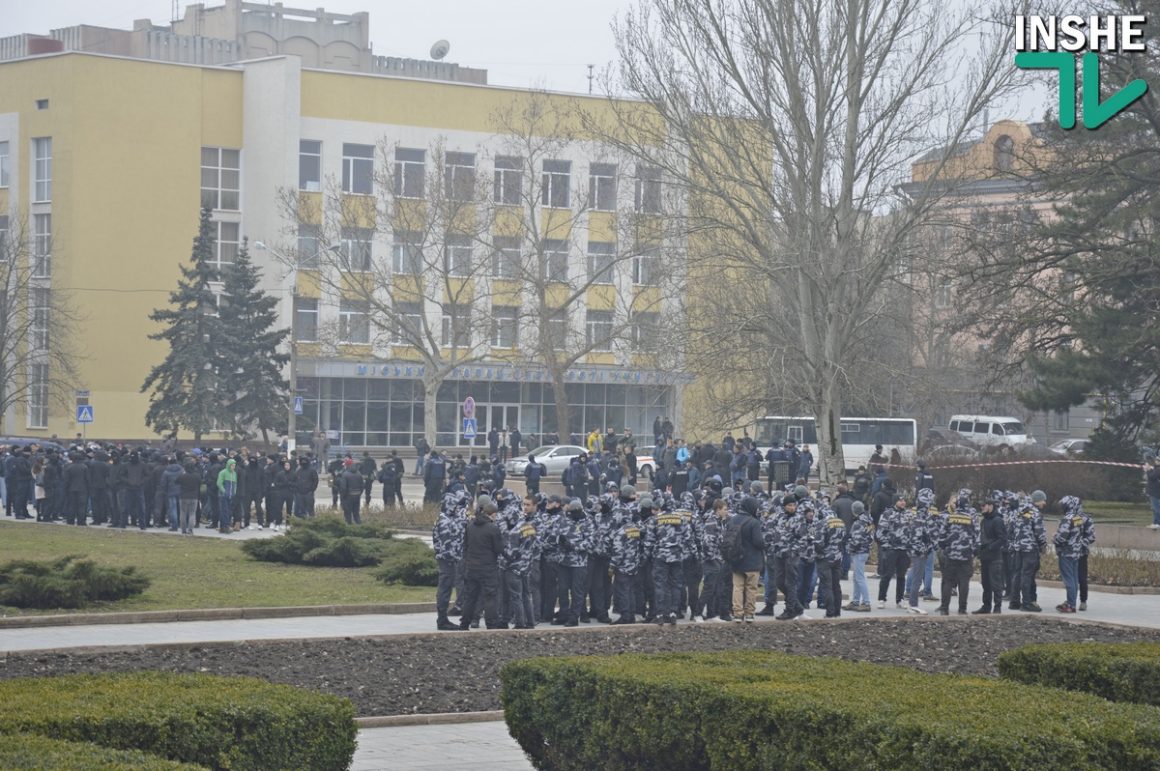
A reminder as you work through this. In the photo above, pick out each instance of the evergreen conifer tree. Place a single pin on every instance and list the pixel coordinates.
(252, 370)
(184, 387)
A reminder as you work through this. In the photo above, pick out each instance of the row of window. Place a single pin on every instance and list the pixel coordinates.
(460, 178)
(41, 168)
(354, 325)
(507, 259)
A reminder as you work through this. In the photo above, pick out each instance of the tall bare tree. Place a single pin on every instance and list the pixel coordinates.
(789, 124)
(37, 362)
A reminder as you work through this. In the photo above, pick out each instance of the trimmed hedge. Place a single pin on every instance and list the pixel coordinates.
(1116, 671)
(69, 582)
(410, 562)
(759, 709)
(19, 751)
(219, 722)
(323, 541)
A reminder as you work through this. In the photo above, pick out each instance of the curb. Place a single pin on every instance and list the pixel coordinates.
(214, 614)
(432, 718)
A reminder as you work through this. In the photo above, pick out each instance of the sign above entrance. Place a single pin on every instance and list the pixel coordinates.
(512, 374)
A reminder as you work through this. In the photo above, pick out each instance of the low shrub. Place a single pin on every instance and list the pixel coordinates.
(761, 709)
(69, 582)
(409, 516)
(1120, 568)
(410, 562)
(28, 751)
(1115, 671)
(324, 541)
(218, 722)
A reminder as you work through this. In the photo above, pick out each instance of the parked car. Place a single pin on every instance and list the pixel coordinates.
(645, 463)
(1069, 447)
(947, 454)
(1005, 434)
(938, 437)
(555, 458)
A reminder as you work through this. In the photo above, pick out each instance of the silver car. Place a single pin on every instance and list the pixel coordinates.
(555, 458)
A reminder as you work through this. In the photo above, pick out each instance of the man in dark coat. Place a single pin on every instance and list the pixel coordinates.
(482, 547)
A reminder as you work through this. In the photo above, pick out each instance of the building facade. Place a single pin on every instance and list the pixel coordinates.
(109, 158)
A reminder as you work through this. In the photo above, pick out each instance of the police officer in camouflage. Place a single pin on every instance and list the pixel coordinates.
(521, 549)
(626, 544)
(959, 542)
(1028, 539)
(831, 553)
(575, 539)
(791, 530)
(669, 540)
(447, 541)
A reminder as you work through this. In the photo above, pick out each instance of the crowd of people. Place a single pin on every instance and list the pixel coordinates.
(709, 553)
(121, 486)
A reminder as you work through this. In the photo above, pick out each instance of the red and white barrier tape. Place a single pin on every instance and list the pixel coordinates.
(1137, 466)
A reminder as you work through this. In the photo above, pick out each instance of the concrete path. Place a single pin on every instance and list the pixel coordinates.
(1128, 609)
(461, 747)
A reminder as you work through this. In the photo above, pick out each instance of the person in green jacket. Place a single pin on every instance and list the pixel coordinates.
(227, 485)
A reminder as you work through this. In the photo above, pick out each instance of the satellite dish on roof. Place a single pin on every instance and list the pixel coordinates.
(440, 49)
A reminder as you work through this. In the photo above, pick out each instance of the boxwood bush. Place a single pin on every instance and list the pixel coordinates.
(69, 582)
(218, 722)
(759, 709)
(324, 541)
(411, 562)
(1115, 671)
(21, 751)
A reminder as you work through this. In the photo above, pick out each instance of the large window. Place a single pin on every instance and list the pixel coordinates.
(506, 259)
(555, 260)
(456, 325)
(42, 169)
(309, 243)
(409, 318)
(228, 239)
(4, 164)
(4, 238)
(41, 245)
(40, 319)
(459, 176)
(598, 326)
(644, 331)
(558, 331)
(407, 252)
(354, 323)
(555, 185)
(309, 165)
(602, 186)
(645, 268)
(38, 396)
(410, 172)
(601, 259)
(355, 245)
(220, 178)
(358, 168)
(457, 255)
(509, 180)
(648, 189)
(305, 319)
(504, 329)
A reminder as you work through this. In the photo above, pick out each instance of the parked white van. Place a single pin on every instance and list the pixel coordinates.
(1002, 433)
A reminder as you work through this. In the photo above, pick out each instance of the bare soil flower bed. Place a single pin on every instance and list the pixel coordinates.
(459, 672)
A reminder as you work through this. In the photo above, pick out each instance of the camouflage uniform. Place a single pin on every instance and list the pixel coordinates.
(1071, 545)
(959, 542)
(832, 550)
(892, 560)
(447, 540)
(791, 531)
(576, 538)
(521, 550)
(669, 541)
(627, 558)
(1028, 539)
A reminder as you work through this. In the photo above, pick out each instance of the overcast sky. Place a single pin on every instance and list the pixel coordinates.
(522, 43)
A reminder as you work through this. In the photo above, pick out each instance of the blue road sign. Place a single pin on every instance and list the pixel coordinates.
(84, 413)
(469, 428)
(297, 405)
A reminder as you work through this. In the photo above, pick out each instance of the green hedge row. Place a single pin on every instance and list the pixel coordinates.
(758, 709)
(218, 722)
(27, 751)
(1117, 672)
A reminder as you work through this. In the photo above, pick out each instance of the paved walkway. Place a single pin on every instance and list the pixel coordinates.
(1130, 609)
(460, 747)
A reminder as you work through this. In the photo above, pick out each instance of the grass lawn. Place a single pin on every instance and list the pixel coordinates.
(195, 572)
(1119, 513)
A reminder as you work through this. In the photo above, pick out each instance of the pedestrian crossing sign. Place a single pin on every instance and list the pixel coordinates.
(84, 413)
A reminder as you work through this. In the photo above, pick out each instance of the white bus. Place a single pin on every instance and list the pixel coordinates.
(859, 436)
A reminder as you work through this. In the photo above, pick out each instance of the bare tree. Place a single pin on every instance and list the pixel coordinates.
(427, 296)
(37, 362)
(789, 124)
(594, 260)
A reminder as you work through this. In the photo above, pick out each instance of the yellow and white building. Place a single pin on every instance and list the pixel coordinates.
(108, 158)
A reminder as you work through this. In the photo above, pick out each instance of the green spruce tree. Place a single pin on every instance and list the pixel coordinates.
(253, 364)
(184, 388)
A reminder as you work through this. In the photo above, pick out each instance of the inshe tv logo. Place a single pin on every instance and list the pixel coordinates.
(1054, 42)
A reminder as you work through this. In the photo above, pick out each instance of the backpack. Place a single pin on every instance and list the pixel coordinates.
(731, 549)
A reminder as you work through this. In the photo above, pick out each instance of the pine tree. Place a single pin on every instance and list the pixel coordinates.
(253, 365)
(184, 387)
